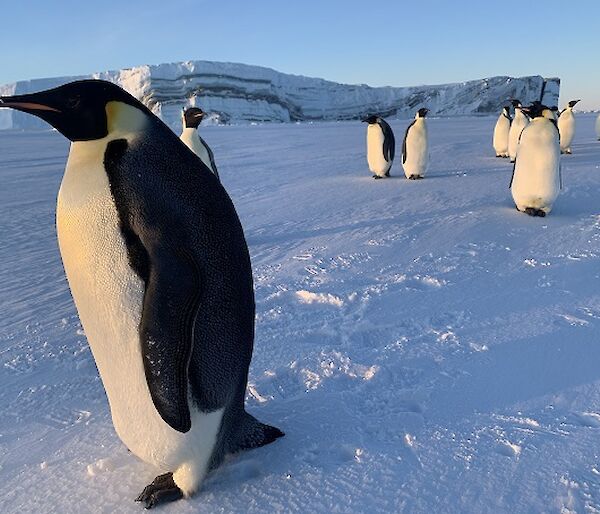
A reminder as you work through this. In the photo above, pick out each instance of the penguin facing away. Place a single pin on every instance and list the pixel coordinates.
(566, 127)
(501, 131)
(381, 146)
(520, 121)
(192, 118)
(415, 148)
(536, 182)
(140, 229)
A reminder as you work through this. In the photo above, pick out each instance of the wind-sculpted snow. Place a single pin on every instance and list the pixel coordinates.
(425, 347)
(242, 93)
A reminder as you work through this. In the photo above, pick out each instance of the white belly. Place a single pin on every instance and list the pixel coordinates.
(536, 181)
(417, 150)
(518, 124)
(190, 137)
(108, 296)
(566, 127)
(501, 131)
(375, 158)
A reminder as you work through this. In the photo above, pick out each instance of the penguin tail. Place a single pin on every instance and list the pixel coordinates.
(254, 434)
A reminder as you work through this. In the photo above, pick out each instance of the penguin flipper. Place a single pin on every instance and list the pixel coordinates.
(253, 434)
(389, 142)
(211, 156)
(166, 333)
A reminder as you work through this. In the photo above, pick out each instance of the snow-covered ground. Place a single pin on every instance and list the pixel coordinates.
(425, 347)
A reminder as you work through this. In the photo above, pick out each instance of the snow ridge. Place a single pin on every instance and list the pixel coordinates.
(238, 93)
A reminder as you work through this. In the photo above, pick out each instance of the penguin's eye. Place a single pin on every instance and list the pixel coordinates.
(73, 102)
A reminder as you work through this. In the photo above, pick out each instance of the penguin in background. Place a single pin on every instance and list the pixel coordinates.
(381, 146)
(192, 118)
(501, 131)
(598, 127)
(520, 121)
(415, 148)
(536, 180)
(566, 127)
(159, 270)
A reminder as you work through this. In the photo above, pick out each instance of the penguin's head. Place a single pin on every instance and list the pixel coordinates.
(422, 112)
(372, 118)
(573, 103)
(515, 103)
(80, 111)
(192, 117)
(538, 110)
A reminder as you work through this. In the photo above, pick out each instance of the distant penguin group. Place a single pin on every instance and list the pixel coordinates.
(381, 146)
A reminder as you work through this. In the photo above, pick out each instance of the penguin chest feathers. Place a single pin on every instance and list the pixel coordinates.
(375, 156)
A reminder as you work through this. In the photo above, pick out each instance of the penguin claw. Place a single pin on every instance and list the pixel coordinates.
(535, 212)
(163, 489)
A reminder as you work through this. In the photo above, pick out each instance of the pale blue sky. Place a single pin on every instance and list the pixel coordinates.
(379, 43)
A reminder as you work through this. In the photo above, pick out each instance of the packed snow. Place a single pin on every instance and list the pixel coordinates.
(425, 347)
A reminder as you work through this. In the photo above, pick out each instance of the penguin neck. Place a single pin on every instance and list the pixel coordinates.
(190, 130)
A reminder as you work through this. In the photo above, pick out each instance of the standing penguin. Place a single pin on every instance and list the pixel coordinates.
(381, 146)
(598, 127)
(191, 120)
(159, 269)
(566, 127)
(501, 131)
(536, 175)
(519, 122)
(415, 148)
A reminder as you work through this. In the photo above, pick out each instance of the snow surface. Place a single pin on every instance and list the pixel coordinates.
(425, 347)
(234, 92)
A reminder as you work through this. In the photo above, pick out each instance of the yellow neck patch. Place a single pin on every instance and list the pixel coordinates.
(124, 119)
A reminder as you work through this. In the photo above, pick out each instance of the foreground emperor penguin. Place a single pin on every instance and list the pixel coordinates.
(501, 131)
(191, 121)
(159, 269)
(566, 127)
(536, 175)
(519, 122)
(381, 146)
(415, 148)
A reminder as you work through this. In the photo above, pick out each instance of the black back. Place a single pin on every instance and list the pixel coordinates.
(185, 241)
(389, 141)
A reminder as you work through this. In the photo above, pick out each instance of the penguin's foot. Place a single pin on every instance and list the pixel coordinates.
(499, 155)
(163, 489)
(415, 177)
(377, 177)
(535, 212)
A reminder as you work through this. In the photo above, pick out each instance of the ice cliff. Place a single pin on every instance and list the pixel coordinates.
(235, 93)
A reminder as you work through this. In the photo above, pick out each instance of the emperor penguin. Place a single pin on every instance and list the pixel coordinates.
(519, 122)
(598, 127)
(566, 127)
(159, 269)
(501, 131)
(536, 181)
(381, 146)
(415, 148)
(192, 118)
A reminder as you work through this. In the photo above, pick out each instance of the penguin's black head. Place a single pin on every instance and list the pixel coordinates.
(515, 102)
(572, 103)
(506, 108)
(536, 109)
(421, 113)
(78, 110)
(372, 118)
(192, 117)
